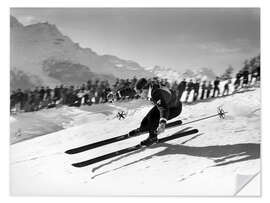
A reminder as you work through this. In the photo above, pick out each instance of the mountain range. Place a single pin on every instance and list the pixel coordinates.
(40, 52)
(42, 55)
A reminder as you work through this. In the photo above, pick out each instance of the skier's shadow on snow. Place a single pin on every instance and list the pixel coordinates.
(220, 154)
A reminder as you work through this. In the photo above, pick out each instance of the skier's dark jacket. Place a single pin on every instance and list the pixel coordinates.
(164, 98)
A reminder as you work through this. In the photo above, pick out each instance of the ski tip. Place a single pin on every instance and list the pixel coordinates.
(74, 151)
(68, 152)
(196, 130)
(193, 131)
(76, 165)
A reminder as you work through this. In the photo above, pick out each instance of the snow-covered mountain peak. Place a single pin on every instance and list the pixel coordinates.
(34, 45)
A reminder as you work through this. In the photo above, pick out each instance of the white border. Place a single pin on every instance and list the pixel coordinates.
(4, 12)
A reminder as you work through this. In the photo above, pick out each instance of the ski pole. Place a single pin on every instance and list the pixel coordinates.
(221, 113)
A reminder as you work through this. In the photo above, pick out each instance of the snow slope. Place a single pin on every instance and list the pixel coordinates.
(207, 163)
(32, 124)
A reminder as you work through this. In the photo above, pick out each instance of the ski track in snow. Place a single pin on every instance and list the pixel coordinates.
(214, 157)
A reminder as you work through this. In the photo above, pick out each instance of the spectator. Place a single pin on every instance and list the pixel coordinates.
(27, 100)
(12, 99)
(41, 93)
(245, 77)
(203, 89)
(189, 88)
(226, 88)
(18, 100)
(216, 87)
(237, 80)
(36, 99)
(209, 89)
(48, 93)
(181, 88)
(90, 86)
(255, 74)
(196, 90)
(56, 93)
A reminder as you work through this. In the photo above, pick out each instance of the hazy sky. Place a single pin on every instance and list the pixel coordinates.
(176, 38)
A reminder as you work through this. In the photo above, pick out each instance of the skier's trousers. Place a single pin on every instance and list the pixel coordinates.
(151, 121)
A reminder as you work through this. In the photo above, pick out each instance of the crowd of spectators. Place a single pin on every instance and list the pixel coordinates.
(87, 94)
(101, 91)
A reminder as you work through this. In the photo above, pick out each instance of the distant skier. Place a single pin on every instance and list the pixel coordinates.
(166, 107)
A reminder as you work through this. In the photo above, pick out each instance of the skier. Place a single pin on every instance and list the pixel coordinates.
(167, 106)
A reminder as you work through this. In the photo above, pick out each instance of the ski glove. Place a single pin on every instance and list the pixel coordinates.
(161, 127)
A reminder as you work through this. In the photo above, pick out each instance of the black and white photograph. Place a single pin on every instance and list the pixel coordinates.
(119, 101)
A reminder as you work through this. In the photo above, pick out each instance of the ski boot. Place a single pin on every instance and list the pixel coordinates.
(152, 139)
